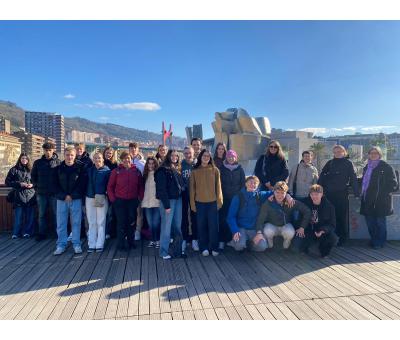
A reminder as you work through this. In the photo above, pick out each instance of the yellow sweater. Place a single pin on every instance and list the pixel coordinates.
(205, 186)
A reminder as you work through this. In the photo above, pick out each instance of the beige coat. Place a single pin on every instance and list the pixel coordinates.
(149, 198)
(307, 175)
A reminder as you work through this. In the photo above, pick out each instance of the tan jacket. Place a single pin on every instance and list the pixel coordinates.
(149, 198)
(307, 175)
(205, 186)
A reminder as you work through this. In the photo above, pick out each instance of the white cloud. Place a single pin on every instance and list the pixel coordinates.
(69, 96)
(321, 131)
(142, 106)
(315, 130)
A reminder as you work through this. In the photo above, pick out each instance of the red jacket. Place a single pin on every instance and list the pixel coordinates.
(125, 184)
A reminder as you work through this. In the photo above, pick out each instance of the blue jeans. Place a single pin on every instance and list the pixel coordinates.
(171, 222)
(74, 210)
(19, 213)
(153, 220)
(44, 202)
(377, 230)
(207, 225)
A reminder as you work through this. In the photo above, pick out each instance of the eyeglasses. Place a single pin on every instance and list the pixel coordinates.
(273, 147)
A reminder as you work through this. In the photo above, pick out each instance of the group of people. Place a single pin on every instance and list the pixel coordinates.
(203, 200)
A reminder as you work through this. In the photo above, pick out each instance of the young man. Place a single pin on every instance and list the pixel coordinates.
(276, 217)
(43, 179)
(82, 156)
(196, 144)
(71, 186)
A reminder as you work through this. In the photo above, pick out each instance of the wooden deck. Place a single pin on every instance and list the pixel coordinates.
(354, 283)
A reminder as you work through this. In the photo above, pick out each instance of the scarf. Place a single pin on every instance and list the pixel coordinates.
(231, 167)
(367, 176)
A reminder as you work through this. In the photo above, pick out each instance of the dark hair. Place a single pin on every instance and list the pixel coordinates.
(216, 151)
(113, 157)
(279, 153)
(198, 163)
(168, 162)
(306, 153)
(124, 154)
(133, 145)
(146, 166)
(28, 165)
(194, 139)
(48, 146)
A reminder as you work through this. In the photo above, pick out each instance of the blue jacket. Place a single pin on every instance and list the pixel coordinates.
(247, 216)
(97, 180)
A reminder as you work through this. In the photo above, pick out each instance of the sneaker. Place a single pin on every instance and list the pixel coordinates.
(151, 244)
(221, 245)
(286, 244)
(99, 250)
(77, 250)
(231, 243)
(69, 239)
(214, 253)
(14, 237)
(26, 236)
(59, 251)
(168, 257)
(171, 240)
(137, 235)
(108, 236)
(195, 245)
(158, 244)
(91, 250)
(205, 253)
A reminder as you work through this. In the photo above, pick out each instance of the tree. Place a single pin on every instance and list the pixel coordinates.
(318, 150)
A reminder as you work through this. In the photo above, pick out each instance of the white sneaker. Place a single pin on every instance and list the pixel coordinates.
(77, 250)
(168, 257)
(157, 244)
(14, 237)
(59, 251)
(151, 244)
(221, 245)
(171, 240)
(205, 253)
(108, 237)
(69, 239)
(286, 244)
(195, 245)
(137, 235)
(214, 253)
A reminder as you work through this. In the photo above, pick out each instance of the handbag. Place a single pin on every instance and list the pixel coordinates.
(11, 196)
(99, 200)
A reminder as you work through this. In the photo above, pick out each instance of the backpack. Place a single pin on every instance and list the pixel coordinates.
(242, 200)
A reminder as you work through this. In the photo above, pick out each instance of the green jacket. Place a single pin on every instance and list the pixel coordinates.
(272, 212)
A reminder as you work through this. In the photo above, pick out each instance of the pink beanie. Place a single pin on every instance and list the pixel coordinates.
(231, 153)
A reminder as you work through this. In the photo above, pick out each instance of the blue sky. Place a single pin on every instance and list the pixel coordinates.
(335, 76)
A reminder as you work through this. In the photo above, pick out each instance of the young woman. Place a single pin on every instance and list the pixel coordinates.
(110, 160)
(336, 176)
(378, 182)
(271, 167)
(125, 188)
(219, 155)
(97, 203)
(169, 191)
(232, 181)
(150, 204)
(161, 153)
(206, 200)
(19, 178)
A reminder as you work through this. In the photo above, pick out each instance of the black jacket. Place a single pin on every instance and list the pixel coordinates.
(271, 169)
(110, 165)
(23, 196)
(71, 180)
(231, 181)
(84, 160)
(169, 185)
(326, 215)
(337, 175)
(43, 175)
(378, 198)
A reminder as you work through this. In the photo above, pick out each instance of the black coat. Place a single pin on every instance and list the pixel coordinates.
(378, 199)
(271, 169)
(71, 180)
(169, 184)
(326, 215)
(84, 160)
(110, 165)
(337, 175)
(231, 181)
(43, 175)
(23, 196)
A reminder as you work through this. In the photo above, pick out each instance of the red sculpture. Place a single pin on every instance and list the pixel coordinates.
(167, 134)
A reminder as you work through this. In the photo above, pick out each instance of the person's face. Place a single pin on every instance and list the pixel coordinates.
(220, 151)
(196, 146)
(24, 160)
(69, 157)
(189, 154)
(174, 157)
(134, 150)
(374, 155)
(79, 150)
(338, 153)
(108, 154)
(316, 197)
(205, 158)
(126, 162)
(307, 158)
(251, 185)
(279, 195)
(98, 161)
(163, 151)
(150, 164)
(231, 159)
(273, 148)
(48, 153)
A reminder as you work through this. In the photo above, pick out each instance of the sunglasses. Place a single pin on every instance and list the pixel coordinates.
(273, 147)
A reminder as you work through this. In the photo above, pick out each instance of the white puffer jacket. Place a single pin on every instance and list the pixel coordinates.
(149, 199)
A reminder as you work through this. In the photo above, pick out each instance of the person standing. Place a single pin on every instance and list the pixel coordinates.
(161, 153)
(232, 181)
(336, 177)
(97, 203)
(71, 182)
(150, 204)
(271, 167)
(379, 181)
(23, 196)
(110, 160)
(43, 180)
(125, 188)
(219, 155)
(302, 176)
(206, 199)
(196, 144)
(169, 185)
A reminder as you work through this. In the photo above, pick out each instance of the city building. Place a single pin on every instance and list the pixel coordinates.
(76, 136)
(32, 144)
(10, 149)
(48, 125)
(5, 125)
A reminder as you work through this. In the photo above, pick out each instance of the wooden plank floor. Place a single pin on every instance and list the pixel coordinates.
(354, 282)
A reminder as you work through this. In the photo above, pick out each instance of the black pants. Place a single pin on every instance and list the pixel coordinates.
(340, 201)
(224, 234)
(207, 222)
(185, 219)
(325, 243)
(126, 213)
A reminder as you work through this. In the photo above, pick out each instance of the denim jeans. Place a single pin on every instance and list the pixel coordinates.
(153, 220)
(44, 202)
(377, 230)
(74, 210)
(19, 213)
(246, 238)
(171, 222)
(207, 225)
